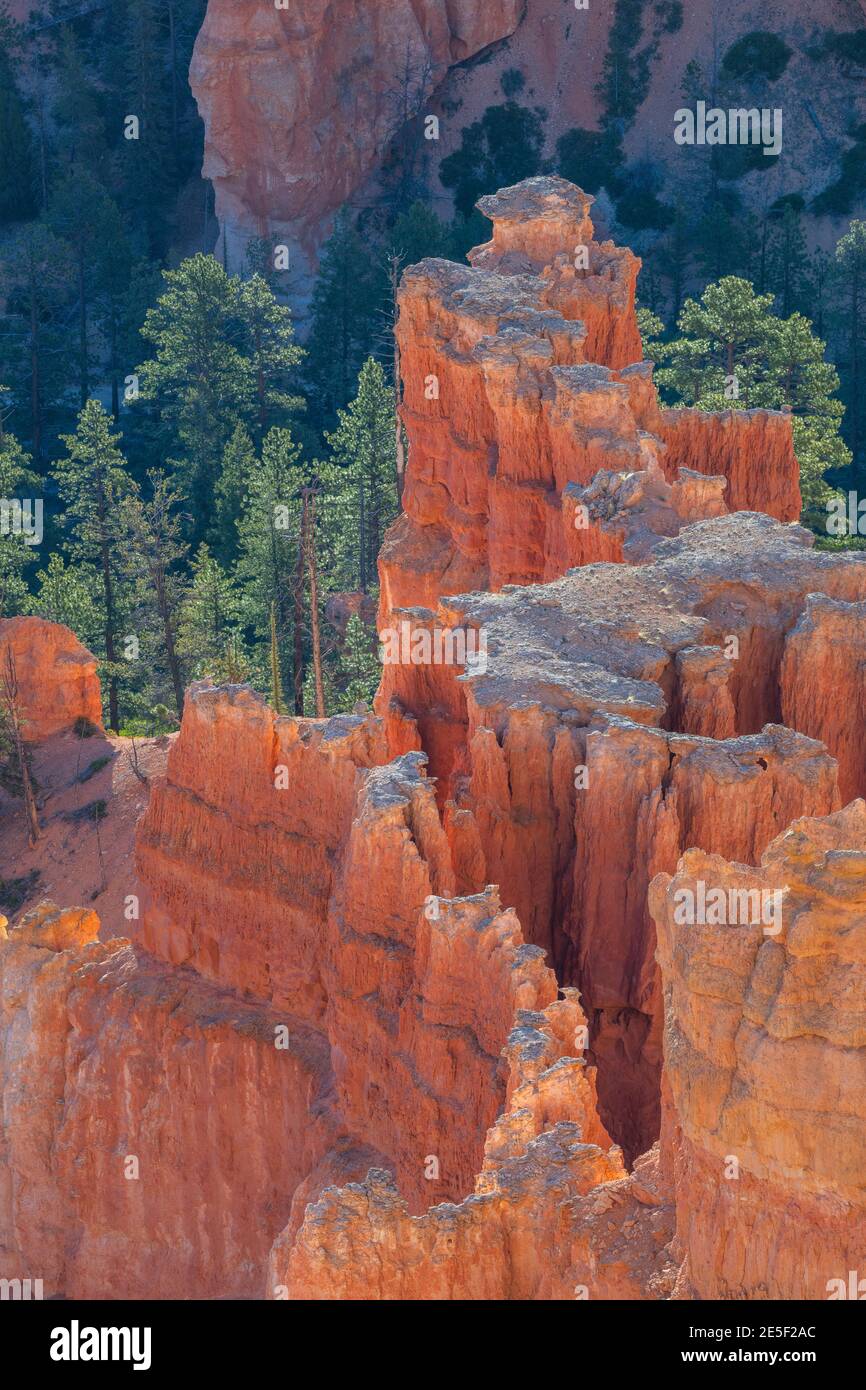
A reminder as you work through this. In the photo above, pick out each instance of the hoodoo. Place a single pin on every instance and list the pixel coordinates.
(410, 1013)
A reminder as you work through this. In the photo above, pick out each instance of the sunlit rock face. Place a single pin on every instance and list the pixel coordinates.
(522, 381)
(299, 103)
(765, 1057)
(409, 1012)
(56, 675)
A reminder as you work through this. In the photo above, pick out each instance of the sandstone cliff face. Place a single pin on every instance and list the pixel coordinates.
(153, 1133)
(521, 383)
(338, 1054)
(765, 1056)
(299, 102)
(57, 677)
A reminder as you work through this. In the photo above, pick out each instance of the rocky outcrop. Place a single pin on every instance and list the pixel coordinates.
(521, 383)
(300, 102)
(57, 680)
(397, 1035)
(153, 1130)
(765, 1057)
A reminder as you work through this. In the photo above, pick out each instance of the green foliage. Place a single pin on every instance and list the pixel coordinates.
(590, 158)
(17, 156)
(512, 82)
(93, 483)
(17, 482)
(208, 615)
(758, 54)
(359, 664)
(626, 68)
(359, 483)
(345, 304)
(503, 147)
(733, 351)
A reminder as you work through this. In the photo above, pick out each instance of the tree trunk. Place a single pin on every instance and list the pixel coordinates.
(108, 591)
(170, 648)
(298, 617)
(13, 710)
(314, 607)
(84, 384)
(35, 390)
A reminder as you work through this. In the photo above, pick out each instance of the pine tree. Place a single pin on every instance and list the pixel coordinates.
(69, 594)
(851, 267)
(35, 280)
(344, 306)
(17, 483)
(156, 555)
(363, 450)
(733, 351)
(93, 482)
(359, 664)
(269, 535)
(199, 375)
(237, 467)
(208, 615)
(88, 221)
(272, 352)
(18, 180)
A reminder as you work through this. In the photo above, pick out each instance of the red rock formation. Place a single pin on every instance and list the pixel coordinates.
(153, 1132)
(438, 1123)
(298, 103)
(517, 386)
(765, 1055)
(57, 677)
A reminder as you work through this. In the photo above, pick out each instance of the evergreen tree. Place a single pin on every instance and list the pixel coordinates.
(17, 483)
(363, 484)
(272, 352)
(155, 556)
(503, 147)
(732, 351)
(77, 116)
(269, 534)
(93, 482)
(237, 467)
(344, 305)
(69, 594)
(199, 376)
(359, 664)
(851, 267)
(88, 221)
(35, 280)
(18, 181)
(208, 615)
(418, 233)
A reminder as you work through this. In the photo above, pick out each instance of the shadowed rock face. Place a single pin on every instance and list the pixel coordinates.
(344, 1068)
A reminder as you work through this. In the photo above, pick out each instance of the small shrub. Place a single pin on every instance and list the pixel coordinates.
(758, 54)
(512, 81)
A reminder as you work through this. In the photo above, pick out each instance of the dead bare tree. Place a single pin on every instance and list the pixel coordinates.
(10, 695)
